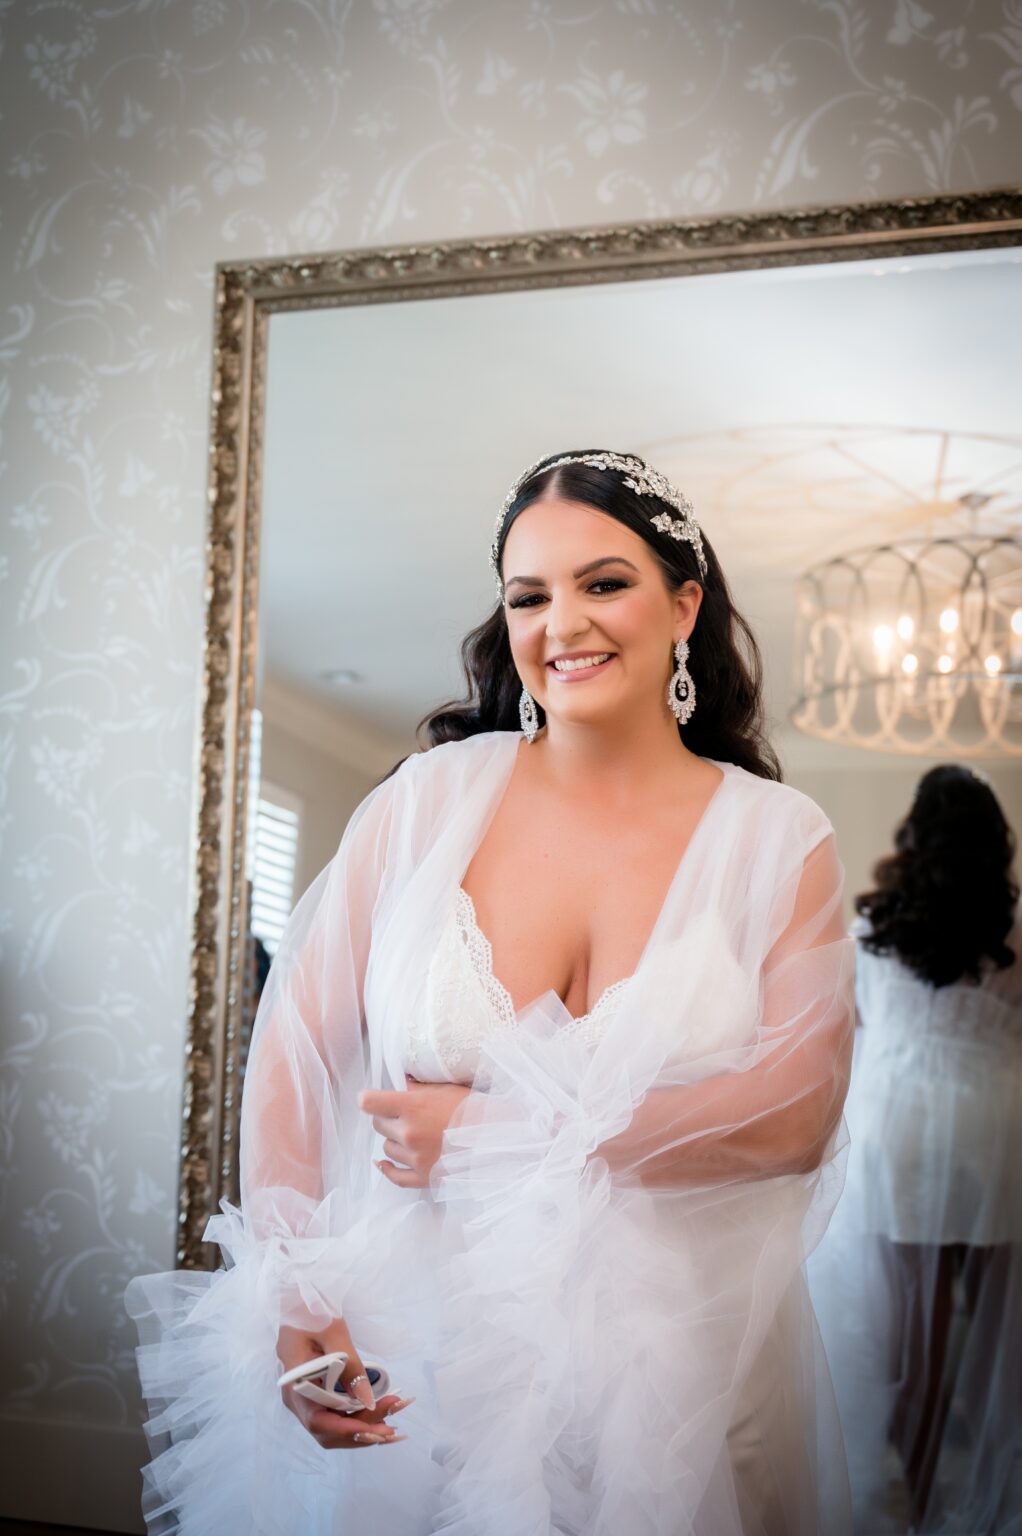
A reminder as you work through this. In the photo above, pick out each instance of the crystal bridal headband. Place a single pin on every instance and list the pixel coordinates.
(639, 477)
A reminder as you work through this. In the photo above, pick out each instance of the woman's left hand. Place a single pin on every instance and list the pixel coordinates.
(412, 1124)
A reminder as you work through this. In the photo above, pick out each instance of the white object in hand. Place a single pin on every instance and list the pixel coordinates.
(317, 1379)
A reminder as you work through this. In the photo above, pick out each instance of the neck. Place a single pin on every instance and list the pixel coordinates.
(615, 763)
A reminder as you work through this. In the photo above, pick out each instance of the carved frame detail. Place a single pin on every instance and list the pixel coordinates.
(247, 293)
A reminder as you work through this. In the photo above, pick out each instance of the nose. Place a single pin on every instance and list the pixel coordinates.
(566, 617)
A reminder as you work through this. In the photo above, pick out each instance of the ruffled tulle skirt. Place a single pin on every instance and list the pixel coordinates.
(629, 1374)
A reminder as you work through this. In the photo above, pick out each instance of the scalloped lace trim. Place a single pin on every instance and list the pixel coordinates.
(466, 1002)
(590, 1025)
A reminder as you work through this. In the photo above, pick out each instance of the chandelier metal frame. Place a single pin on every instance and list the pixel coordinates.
(914, 646)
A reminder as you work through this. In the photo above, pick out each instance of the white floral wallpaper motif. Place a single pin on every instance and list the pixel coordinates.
(142, 141)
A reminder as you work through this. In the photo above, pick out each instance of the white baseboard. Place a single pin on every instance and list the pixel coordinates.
(72, 1474)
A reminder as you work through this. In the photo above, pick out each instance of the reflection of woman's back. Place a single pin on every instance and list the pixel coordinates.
(929, 1234)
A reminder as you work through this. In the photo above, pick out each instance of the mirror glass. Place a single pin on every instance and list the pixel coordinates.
(804, 409)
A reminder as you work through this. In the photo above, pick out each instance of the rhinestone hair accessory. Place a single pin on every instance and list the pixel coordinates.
(639, 477)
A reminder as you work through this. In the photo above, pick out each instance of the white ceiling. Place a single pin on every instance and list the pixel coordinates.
(804, 409)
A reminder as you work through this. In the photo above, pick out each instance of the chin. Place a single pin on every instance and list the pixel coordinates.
(583, 716)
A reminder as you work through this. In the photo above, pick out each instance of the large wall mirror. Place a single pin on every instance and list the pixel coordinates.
(812, 380)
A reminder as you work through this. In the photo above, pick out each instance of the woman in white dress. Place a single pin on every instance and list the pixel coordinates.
(919, 1281)
(543, 1109)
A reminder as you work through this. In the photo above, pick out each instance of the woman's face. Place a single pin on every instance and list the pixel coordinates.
(582, 590)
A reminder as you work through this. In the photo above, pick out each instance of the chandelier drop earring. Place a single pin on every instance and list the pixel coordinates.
(681, 690)
(527, 714)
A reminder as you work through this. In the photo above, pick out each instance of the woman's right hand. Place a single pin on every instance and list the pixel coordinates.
(333, 1430)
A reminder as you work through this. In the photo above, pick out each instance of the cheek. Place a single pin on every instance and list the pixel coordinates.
(629, 630)
(525, 629)
(635, 623)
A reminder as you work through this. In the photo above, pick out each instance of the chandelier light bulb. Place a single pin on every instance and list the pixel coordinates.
(993, 665)
(906, 628)
(909, 664)
(949, 621)
(1016, 622)
(944, 664)
(883, 637)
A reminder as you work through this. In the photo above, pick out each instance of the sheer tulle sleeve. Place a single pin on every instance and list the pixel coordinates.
(772, 1105)
(227, 1456)
(302, 1132)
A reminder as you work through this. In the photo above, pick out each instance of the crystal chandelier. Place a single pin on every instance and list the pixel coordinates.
(914, 646)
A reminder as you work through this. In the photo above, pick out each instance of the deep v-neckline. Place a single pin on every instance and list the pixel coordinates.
(481, 955)
(498, 988)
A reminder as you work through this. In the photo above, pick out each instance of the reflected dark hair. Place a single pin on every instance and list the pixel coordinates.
(725, 662)
(945, 900)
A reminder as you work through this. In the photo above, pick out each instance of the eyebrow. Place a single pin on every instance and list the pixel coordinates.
(583, 570)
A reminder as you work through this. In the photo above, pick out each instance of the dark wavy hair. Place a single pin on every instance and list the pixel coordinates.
(945, 899)
(725, 662)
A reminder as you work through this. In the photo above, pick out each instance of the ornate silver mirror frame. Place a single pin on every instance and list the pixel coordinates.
(247, 293)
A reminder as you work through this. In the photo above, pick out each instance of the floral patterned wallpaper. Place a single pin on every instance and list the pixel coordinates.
(143, 140)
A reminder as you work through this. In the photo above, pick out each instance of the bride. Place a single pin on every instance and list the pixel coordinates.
(543, 1108)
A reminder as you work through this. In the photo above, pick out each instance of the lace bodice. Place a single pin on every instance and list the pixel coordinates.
(465, 1001)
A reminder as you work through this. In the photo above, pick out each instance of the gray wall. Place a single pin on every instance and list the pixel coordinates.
(141, 144)
(328, 788)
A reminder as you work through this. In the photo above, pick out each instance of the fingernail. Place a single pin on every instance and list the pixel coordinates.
(394, 1439)
(364, 1392)
(367, 1439)
(404, 1403)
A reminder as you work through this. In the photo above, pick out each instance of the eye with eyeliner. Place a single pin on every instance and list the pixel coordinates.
(610, 583)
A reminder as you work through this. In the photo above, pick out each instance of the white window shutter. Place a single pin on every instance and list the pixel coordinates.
(271, 852)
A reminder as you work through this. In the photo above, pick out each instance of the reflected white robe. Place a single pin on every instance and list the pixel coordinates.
(934, 1173)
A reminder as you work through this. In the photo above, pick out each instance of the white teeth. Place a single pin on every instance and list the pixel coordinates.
(577, 663)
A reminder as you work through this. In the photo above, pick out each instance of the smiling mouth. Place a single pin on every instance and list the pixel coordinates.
(580, 666)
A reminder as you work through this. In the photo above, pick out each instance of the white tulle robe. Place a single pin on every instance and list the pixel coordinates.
(600, 1301)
